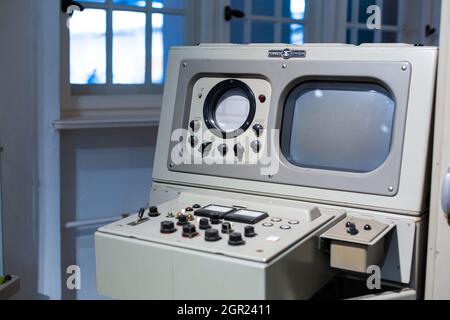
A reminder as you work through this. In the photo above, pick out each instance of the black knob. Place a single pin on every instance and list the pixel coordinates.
(215, 218)
(223, 149)
(238, 150)
(367, 227)
(249, 232)
(204, 224)
(182, 220)
(348, 224)
(258, 129)
(189, 231)
(153, 212)
(226, 227)
(205, 148)
(352, 229)
(212, 235)
(168, 227)
(256, 146)
(193, 141)
(189, 209)
(194, 125)
(196, 206)
(235, 239)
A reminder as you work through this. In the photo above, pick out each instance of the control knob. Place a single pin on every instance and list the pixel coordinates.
(153, 212)
(182, 220)
(215, 218)
(235, 239)
(258, 129)
(204, 224)
(189, 231)
(212, 235)
(238, 150)
(249, 231)
(168, 227)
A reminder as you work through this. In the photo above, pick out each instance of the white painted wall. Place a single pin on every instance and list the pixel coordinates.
(18, 134)
(104, 173)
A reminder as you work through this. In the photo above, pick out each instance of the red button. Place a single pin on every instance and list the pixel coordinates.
(262, 98)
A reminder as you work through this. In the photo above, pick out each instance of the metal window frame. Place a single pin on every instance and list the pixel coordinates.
(277, 20)
(355, 26)
(109, 87)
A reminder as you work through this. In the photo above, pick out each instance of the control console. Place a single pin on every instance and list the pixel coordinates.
(232, 231)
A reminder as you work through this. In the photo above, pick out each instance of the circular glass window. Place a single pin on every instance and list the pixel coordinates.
(229, 108)
(232, 110)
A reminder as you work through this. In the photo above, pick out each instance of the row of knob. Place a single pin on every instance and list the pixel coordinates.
(238, 149)
(258, 129)
(211, 234)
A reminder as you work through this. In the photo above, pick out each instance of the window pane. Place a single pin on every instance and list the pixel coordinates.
(294, 9)
(349, 10)
(390, 12)
(88, 47)
(366, 36)
(238, 5)
(236, 31)
(129, 47)
(168, 31)
(340, 126)
(134, 3)
(95, 1)
(263, 7)
(292, 33)
(262, 32)
(363, 5)
(173, 4)
(389, 37)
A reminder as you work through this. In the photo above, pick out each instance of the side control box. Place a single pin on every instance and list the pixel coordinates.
(355, 244)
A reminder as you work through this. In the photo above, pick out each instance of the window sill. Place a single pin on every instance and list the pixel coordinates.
(105, 122)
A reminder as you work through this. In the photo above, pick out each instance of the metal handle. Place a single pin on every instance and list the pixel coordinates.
(445, 196)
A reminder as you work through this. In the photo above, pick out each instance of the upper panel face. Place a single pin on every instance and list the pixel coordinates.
(328, 125)
(339, 129)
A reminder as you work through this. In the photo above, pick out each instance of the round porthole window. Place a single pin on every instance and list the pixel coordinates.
(229, 108)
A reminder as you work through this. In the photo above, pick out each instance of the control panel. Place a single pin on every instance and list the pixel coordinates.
(234, 231)
(356, 244)
(228, 120)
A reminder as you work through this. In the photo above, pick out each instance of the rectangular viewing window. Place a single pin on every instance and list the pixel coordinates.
(340, 126)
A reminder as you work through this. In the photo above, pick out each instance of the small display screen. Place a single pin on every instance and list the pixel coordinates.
(341, 126)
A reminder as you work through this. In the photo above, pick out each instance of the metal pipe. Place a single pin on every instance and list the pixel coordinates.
(89, 223)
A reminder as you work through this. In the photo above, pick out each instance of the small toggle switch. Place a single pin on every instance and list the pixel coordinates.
(351, 229)
(153, 212)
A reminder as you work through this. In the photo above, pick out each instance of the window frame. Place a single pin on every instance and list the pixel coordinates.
(99, 92)
(312, 13)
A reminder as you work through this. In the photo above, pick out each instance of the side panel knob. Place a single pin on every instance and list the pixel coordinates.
(258, 129)
(235, 239)
(249, 231)
(212, 235)
(168, 227)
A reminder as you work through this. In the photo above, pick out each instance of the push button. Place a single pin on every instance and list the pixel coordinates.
(276, 220)
(294, 222)
(267, 224)
(226, 228)
(285, 227)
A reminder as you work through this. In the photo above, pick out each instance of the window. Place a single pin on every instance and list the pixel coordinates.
(268, 21)
(391, 22)
(122, 46)
(344, 126)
